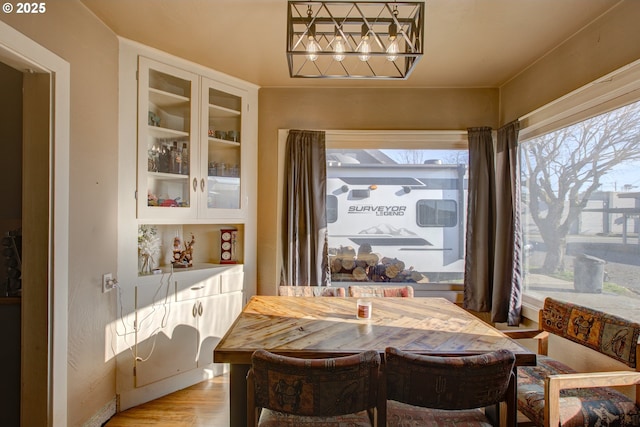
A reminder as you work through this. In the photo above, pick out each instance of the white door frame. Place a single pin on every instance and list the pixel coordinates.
(22, 53)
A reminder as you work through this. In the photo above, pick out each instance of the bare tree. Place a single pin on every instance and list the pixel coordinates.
(411, 157)
(562, 169)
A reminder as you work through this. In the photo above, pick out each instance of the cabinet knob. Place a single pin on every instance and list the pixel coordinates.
(194, 310)
(195, 184)
(202, 184)
(200, 309)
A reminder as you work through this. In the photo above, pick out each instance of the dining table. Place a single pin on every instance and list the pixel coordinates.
(322, 327)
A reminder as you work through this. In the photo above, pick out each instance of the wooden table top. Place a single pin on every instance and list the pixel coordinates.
(328, 327)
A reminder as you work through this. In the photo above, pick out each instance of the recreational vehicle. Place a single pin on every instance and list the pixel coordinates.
(396, 222)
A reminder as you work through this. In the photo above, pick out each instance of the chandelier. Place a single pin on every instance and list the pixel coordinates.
(353, 39)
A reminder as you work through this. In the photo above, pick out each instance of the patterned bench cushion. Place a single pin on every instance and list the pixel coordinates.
(403, 415)
(608, 334)
(578, 407)
(270, 418)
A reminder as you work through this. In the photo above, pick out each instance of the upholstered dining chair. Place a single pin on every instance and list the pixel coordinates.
(288, 391)
(380, 291)
(310, 291)
(447, 391)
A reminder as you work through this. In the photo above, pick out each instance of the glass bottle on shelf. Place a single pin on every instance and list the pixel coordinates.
(174, 160)
(163, 159)
(185, 159)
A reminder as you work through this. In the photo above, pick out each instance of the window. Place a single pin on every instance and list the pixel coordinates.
(397, 215)
(437, 213)
(581, 211)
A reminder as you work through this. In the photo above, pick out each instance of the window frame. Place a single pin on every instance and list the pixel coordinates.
(612, 91)
(372, 139)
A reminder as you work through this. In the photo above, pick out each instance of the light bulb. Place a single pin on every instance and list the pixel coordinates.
(312, 49)
(339, 49)
(392, 49)
(365, 49)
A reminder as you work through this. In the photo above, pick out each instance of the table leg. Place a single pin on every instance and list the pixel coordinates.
(512, 418)
(238, 395)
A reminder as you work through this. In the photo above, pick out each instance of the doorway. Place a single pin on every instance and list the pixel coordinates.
(10, 224)
(44, 221)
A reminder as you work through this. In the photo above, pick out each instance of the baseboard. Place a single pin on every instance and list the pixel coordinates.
(103, 415)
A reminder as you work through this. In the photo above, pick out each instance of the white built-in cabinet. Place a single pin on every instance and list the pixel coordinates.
(190, 145)
(187, 167)
(180, 322)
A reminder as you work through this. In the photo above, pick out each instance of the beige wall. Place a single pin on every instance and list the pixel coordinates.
(393, 109)
(604, 46)
(71, 32)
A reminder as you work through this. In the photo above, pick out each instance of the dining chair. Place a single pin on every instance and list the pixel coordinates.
(310, 291)
(380, 291)
(447, 391)
(285, 391)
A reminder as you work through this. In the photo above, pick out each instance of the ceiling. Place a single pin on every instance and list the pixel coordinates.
(469, 43)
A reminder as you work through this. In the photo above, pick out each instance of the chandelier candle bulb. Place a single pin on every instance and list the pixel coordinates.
(338, 47)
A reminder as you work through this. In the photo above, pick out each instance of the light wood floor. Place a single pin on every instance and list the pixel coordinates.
(203, 404)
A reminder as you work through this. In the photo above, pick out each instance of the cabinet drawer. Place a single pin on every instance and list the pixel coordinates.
(203, 287)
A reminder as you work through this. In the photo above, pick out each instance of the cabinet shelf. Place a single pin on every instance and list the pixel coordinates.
(228, 180)
(168, 176)
(200, 267)
(167, 100)
(223, 142)
(160, 132)
(216, 111)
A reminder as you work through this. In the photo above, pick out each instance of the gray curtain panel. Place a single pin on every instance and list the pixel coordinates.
(493, 274)
(481, 223)
(305, 257)
(507, 273)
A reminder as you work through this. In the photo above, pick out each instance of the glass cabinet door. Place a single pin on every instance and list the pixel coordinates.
(167, 144)
(222, 152)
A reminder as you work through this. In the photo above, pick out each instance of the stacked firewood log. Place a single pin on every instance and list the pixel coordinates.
(367, 266)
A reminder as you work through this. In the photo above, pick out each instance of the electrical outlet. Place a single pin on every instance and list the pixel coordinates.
(107, 282)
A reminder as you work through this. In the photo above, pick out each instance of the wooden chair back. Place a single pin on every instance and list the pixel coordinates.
(313, 387)
(361, 291)
(451, 383)
(310, 291)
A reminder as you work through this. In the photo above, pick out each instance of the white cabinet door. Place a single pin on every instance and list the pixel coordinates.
(168, 104)
(191, 141)
(166, 341)
(218, 313)
(224, 139)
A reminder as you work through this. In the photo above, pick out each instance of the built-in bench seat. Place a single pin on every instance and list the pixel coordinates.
(554, 394)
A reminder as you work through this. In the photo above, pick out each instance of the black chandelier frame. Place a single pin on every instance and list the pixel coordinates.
(354, 39)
